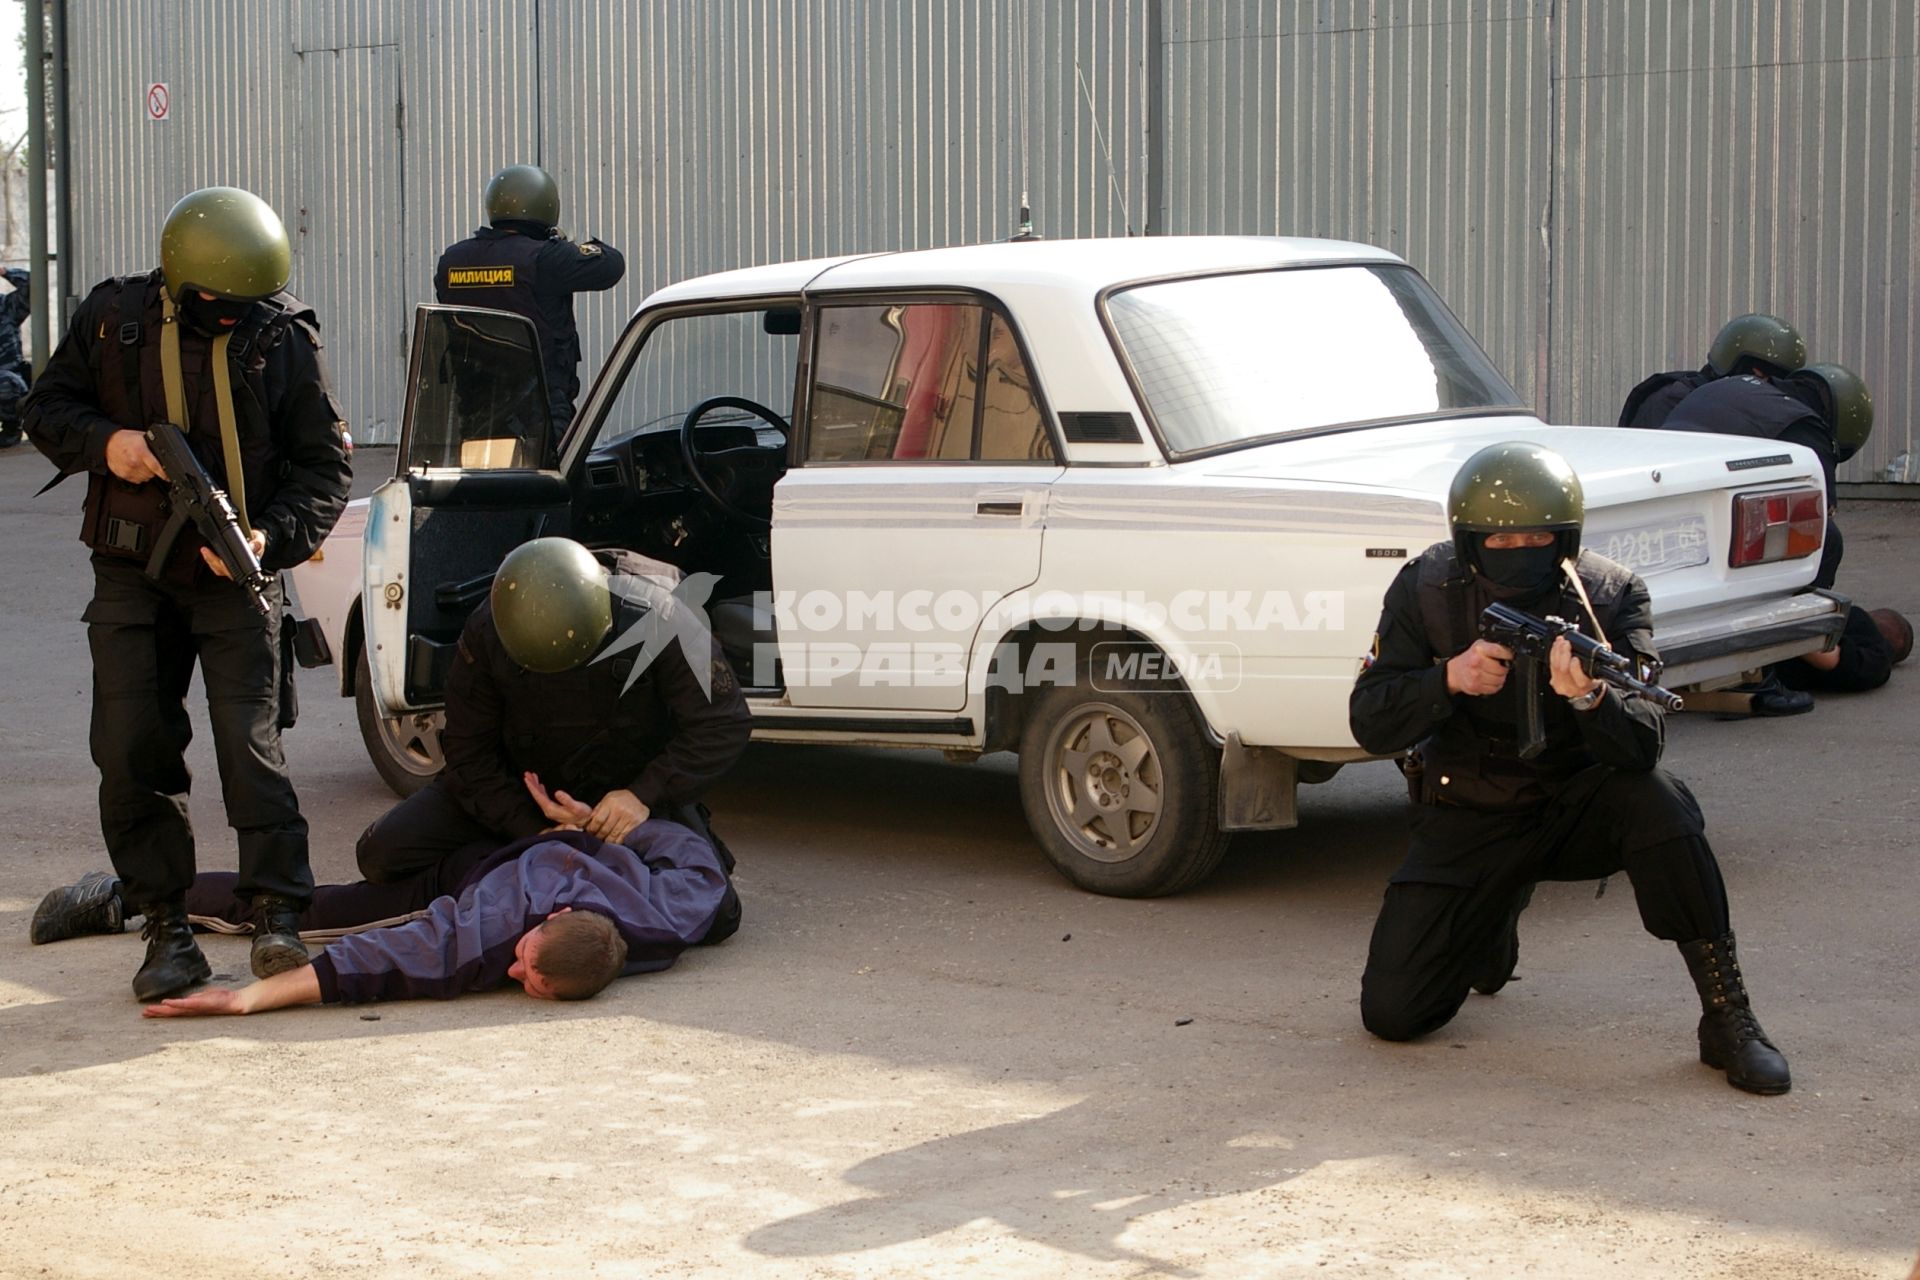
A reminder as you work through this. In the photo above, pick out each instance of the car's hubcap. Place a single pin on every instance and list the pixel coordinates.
(1104, 782)
(413, 741)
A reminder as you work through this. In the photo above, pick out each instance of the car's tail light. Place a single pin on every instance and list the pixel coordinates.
(1787, 524)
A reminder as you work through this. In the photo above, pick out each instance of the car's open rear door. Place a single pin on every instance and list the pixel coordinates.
(477, 476)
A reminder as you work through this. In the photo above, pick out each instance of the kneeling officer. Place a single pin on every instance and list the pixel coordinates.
(1488, 825)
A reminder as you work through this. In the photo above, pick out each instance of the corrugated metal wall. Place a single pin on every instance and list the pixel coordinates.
(1593, 185)
(1721, 158)
(1417, 125)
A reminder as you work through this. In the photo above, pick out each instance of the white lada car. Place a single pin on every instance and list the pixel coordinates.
(1127, 507)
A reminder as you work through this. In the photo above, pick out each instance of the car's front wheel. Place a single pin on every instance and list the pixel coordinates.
(1120, 787)
(406, 748)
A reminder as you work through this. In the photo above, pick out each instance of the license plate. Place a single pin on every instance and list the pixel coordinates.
(1659, 548)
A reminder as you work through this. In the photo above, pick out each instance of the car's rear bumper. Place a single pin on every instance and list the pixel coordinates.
(1705, 646)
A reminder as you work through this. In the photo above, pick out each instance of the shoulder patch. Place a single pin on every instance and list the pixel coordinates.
(589, 249)
(1373, 654)
(723, 685)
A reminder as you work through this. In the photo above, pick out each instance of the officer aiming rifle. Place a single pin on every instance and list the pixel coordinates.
(1531, 641)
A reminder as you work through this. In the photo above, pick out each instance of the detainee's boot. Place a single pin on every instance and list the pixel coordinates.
(276, 936)
(1730, 1036)
(173, 961)
(92, 905)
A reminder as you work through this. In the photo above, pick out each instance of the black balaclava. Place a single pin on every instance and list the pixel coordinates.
(1519, 573)
(204, 315)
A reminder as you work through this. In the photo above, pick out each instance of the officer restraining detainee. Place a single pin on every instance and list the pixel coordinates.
(1487, 825)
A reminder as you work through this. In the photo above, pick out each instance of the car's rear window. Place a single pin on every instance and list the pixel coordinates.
(1229, 359)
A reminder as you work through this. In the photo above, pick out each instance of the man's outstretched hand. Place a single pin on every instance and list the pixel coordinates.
(201, 1004)
(295, 986)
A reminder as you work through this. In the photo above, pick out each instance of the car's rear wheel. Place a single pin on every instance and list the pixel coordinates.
(1120, 787)
(406, 748)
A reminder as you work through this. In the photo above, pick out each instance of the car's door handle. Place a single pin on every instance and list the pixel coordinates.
(1001, 508)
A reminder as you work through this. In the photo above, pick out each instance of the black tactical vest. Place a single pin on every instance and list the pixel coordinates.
(1741, 406)
(1477, 750)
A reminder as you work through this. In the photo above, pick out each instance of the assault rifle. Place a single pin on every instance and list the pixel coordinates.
(194, 497)
(1531, 640)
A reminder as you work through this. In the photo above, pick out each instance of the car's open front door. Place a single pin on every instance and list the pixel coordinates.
(477, 476)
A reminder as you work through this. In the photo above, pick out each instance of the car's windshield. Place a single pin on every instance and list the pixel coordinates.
(1228, 359)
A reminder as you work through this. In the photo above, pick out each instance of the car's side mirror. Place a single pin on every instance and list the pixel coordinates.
(781, 321)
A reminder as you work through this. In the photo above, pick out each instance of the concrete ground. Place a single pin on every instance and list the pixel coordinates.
(926, 1055)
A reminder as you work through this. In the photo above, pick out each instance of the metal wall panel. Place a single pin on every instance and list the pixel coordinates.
(354, 274)
(1716, 159)
(1420, 127)
(1593, 185)
(702, 137)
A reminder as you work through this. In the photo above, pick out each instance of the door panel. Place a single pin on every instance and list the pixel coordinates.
(476, 481)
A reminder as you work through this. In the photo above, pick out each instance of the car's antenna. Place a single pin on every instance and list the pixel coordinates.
(1093, 116)
(1026, 231)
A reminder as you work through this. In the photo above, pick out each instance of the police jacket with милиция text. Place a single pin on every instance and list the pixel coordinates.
(508, 270)
(1468, 746)
(293, 457)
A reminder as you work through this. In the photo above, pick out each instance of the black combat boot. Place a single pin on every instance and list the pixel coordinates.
(276, 937)
(1501, 962)
(173, 962)
(1730, 1036)
(93, 905)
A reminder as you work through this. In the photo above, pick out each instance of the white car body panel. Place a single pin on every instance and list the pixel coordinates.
(1121, 530)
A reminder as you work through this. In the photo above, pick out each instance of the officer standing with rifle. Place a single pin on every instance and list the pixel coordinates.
(209, 358)
(522, 262)
(1493, 814)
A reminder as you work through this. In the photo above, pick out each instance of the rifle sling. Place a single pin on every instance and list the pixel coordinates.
(1580, 588)
(176, 388)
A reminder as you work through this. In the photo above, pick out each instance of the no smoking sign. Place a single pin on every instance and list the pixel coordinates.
(159, 103)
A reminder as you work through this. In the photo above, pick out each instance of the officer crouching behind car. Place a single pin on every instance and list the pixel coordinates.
(212, 343)
(554, 723)
(1488, 825)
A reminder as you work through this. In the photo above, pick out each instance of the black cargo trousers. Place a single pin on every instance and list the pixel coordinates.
(145, 638)
(1469, 873)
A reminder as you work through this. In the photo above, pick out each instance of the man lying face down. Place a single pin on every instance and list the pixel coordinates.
(561, 913)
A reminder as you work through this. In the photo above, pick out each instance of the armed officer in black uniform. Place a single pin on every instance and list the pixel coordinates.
(1488, 825)
(213, 343)
(520, 262)
(541, 734)
(1742, 343)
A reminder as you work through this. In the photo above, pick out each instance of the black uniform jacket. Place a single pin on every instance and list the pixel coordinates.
(664, 739)
(506, 270)
(1467, 747)
(1649, 404)
(290, 427)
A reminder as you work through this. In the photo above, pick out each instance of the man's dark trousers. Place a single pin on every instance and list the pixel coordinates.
(1470, 872)
(145, 637)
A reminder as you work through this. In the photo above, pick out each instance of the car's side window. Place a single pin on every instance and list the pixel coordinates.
(691, 357)
(1012, 428)
(903, 382)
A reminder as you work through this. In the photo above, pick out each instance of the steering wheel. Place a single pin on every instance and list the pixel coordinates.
(725, 476)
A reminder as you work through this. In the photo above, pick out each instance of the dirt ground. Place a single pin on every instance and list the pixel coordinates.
(926, 1055)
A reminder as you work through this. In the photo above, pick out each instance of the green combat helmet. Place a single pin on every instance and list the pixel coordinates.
(551, 604)
(1514, 487)
(1762, 339)
(1852, 407)
(227, 242)
(523, 193)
